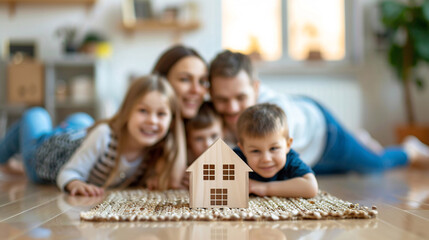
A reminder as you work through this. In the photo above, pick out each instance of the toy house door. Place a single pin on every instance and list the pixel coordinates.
(218, 197)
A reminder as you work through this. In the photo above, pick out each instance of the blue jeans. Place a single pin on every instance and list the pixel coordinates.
(35, 126)
(343, 153)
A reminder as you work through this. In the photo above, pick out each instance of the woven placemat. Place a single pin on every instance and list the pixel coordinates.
(173, 205)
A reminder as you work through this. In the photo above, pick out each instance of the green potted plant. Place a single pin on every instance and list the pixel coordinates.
(407, 23)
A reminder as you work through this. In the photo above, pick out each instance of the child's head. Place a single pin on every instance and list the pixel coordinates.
(146, 112)
(263, 136)
(149, 120)
(203, 129)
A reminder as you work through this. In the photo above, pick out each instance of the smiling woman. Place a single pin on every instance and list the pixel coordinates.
(186, 71)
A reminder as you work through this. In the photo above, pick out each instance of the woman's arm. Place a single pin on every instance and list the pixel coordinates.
(177, 173)
(179, 166)
(305, 186)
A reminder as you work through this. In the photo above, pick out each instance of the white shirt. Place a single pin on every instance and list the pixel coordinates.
(307, 124)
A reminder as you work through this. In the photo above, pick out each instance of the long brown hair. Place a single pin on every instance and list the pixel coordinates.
(164, 153)
(171, 56)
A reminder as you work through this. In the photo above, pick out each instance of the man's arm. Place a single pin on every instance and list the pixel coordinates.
(305, 186)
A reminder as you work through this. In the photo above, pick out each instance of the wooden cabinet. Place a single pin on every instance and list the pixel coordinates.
(25, 82)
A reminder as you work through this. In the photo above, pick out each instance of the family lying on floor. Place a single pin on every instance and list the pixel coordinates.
(164, 124)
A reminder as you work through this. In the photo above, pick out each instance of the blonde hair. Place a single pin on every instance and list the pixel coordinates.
(163, 154)
(261, 120)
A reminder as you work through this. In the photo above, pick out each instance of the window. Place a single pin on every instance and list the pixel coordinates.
(316, 29)
(252, 27)
(228, 172)
(272, 30)
(209, 172)
(218, 196)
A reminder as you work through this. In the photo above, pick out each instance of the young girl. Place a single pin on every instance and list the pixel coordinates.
(142, 143)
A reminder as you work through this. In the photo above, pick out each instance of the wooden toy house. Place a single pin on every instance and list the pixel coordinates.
(219, 178)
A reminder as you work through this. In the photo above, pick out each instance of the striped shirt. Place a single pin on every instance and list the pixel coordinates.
(95, 159)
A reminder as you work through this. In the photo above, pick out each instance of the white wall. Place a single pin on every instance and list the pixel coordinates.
(341, 94)
(372, 88)
(382, 91)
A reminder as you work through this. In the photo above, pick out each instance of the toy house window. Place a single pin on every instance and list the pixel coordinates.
(219, 196)
(209, 172)
(228, 172)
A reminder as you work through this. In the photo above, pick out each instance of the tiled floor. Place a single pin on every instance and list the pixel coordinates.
(29, 211)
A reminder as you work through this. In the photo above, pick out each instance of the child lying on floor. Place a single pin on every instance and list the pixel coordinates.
(138, 145)
(264, 144)
(202, 131)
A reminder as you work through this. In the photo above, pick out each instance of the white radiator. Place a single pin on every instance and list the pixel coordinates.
(341, 95)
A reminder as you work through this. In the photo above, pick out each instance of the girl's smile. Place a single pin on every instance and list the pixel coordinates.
(149, 120)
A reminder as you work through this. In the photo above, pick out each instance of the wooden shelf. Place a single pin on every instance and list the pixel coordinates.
(75, 107)
(76, 104)
(12, 3)
(161, 25)
(49, 1)
(176, 27)
(78, 60)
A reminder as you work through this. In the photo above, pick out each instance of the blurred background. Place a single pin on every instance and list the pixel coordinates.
(366, 60)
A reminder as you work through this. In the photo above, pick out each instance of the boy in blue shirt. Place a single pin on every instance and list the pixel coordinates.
(265, 145)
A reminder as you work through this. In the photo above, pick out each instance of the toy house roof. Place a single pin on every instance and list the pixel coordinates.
(219, 152)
